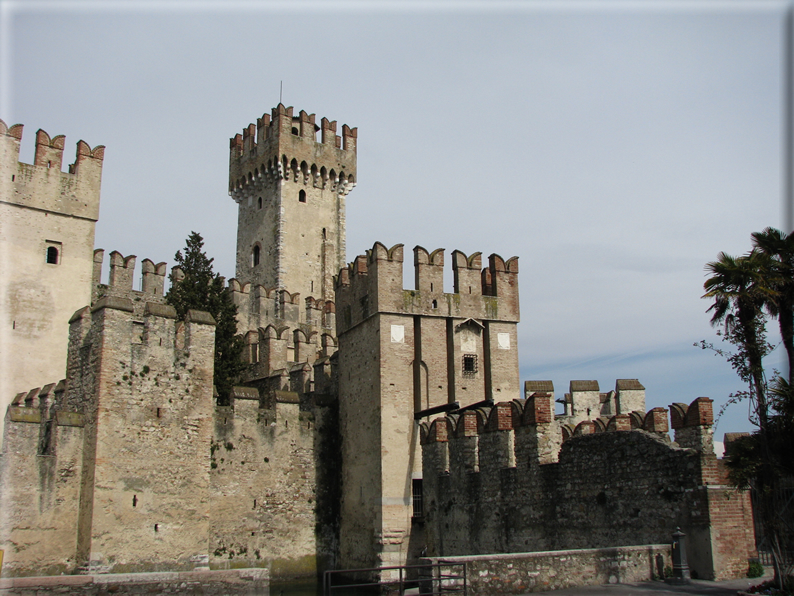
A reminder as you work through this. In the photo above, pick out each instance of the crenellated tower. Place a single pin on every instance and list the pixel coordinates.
(290, 188)
(46, 254)
(402, 354)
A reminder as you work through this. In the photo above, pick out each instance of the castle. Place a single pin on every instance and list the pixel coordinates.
(327, 455)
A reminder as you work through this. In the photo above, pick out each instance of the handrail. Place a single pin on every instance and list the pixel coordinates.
(432, 579)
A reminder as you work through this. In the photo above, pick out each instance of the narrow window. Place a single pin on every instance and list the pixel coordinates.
(435, 303)
(431, 286)
(158, 412)
(134, 500)
(260, 202)
(324, 237)
(302, 196)
(52, 255)
(255, 256)
(416, 486)
(156, 527)
(49, 164)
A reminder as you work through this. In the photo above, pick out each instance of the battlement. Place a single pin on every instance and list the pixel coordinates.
(43, 185)
(258, 305)
(282, 146)
(586, 401)
(43, 406)
(120, 280)
(536, 438)
(534, 430)
(373, 283)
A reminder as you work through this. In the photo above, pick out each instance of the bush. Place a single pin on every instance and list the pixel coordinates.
(755, 569)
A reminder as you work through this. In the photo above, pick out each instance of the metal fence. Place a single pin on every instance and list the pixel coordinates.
(429, 579)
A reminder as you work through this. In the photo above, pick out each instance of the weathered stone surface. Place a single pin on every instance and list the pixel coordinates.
(609, 487)
(47, 221)
(521, 573)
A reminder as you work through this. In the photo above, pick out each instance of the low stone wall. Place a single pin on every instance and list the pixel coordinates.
(235, 581)
(519, 573)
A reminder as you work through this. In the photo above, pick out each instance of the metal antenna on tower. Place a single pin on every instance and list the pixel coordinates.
(280, 90)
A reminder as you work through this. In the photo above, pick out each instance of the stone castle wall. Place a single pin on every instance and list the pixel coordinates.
(496, 480)
(138, 468)
(267, 493)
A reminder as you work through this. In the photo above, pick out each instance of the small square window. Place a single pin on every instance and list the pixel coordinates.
(469, 365)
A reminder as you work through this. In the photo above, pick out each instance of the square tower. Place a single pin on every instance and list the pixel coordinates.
(47, 222)
(290, 188)
(401, 353)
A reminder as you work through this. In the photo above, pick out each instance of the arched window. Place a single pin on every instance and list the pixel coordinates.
(302, 196)
(52, 255)
(255, 256)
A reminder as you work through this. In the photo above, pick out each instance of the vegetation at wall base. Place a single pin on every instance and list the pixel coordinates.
(755, 569)
(202, 289)
(747, 291)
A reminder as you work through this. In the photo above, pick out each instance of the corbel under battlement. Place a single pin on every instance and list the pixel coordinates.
(282, 146)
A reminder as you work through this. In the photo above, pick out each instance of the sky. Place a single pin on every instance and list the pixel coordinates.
(614, 147)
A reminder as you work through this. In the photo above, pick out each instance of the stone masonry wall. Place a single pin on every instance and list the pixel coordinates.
(148, 401)
(263, 478)
(492, 486)
(40, 471)
(520, 573)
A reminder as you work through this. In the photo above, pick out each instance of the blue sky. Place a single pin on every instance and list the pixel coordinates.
(615, 147)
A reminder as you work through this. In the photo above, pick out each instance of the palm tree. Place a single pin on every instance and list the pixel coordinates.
(738, 287)
(778, 249)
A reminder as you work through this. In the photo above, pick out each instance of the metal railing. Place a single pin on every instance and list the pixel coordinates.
(430, 579)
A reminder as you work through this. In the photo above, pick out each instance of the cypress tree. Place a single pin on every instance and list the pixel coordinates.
(202, 289)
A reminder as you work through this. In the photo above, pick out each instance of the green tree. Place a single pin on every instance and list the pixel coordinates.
(740, 292)
(777, 249)
(201, 289)
(745, 290)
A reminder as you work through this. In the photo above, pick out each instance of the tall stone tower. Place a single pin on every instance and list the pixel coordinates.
(401, 354)
(290, 188)
(47, 221)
